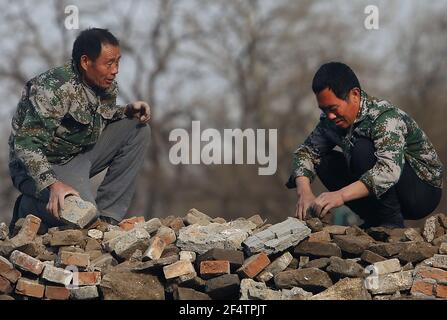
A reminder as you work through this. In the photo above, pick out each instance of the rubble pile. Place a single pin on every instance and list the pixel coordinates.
(197, 257)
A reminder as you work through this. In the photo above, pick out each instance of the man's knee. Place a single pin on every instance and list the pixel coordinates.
(363, 156)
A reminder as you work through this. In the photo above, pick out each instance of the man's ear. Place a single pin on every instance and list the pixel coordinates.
(355, 95)
(85, 62)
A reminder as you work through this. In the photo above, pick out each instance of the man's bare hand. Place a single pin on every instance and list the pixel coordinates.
(58, 192)
(140, 110)
(327, 201)
(305, 200)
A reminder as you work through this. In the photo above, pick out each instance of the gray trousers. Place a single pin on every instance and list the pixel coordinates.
(120, 148)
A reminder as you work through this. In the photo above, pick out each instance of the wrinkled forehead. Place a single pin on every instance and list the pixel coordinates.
(109, 52)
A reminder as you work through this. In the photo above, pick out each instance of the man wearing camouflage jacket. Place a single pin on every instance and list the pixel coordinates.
(387, 170)
(67, 128)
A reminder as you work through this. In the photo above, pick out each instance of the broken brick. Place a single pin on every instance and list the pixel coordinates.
(254, 265)
(26, 262)
(213, 268)
(29, 288)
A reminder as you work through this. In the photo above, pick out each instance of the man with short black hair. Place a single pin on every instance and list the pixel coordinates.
(387, 170)
(67, 128)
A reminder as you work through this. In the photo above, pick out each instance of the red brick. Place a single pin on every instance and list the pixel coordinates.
(166, 234)
(29, 288)
(433, 273)
(156, 247)
(5, 286)
(57, 293)
(7, 270)
(128, 224)
(423, 287)
(209, 269)
(30, 227)
(87, 278)
(74, 259)
(441, 291)
(26, 262)
(254, 265)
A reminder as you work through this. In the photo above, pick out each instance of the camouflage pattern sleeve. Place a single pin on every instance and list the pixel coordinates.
(388, 135)
(308, 155)
(41, 113)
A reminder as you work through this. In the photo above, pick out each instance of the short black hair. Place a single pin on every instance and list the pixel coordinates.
(337, 77)
(89, 43)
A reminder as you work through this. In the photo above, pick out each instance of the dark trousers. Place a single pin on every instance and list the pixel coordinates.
(410, 198)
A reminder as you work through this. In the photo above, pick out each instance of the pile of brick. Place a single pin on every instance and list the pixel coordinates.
(199, 257)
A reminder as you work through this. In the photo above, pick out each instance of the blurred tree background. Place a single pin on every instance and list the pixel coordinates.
(232, 64)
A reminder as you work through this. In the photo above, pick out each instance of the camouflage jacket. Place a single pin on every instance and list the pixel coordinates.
(58, 116)
(396, 137)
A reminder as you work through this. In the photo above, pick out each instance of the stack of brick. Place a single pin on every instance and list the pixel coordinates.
(199, 257)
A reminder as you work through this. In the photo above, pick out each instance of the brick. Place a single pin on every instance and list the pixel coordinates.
(353, 244)
(235, 257)
(156, 247)
(4, 230)
(177, 269)
(57, 293)
(303, 261)
(391, 283)
(278, 265)
(66, 258)
(413, 234)
(219, 220)
(257, 220)
(152, 225)
(92, 244)
(321, 236)
(194, 216)
(57, 275)
(29, 288)
(432, 229)
(86, 278)
(254, 265)
(387, 266)
(389, 250)
(125, 245)
(66, 238)
(166, 234)
(213, 268)
(223, 287)
(371, 257)
(310, 279)
(95, 234)
(176, 224)
(432, 273)
(188, 255)
(317, 249)
(129, 224)
(77, 212)
(443, 248)
(344, 268)
(416, 252)
(7, 270)
(278, 237)
(5, 286)
(84, 293)
(336, 230)
(345, 289)
(440, 261)
(314, 224)
(28, 231)
(422, 287)
(320, 263)
(26, 262)
(441, 291)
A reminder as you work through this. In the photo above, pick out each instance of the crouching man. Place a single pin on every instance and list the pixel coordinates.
(387, 169)
(67, 128)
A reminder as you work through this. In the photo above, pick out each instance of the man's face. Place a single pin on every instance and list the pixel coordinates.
(341, 112)
(102, 72)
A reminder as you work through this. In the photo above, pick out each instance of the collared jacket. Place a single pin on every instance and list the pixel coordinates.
(397, 139)
(58, 116)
